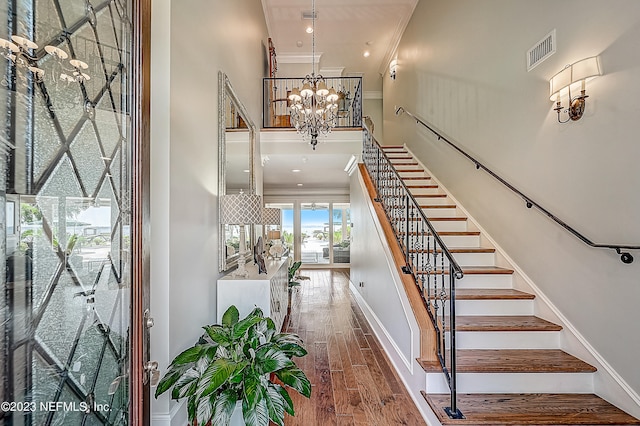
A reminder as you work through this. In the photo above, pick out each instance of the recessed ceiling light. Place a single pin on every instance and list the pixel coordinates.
(299, 184)
(366, 53)
(309, 30)
(296, 170)
(369, 43)
(246, 170)
(299, 43)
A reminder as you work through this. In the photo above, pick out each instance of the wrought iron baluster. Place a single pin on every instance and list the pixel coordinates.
(425, 257)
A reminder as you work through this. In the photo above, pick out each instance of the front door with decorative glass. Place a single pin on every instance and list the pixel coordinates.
(68, 232)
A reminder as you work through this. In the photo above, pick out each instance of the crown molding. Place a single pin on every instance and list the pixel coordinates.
(298, 58)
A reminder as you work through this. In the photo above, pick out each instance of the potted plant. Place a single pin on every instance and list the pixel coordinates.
(294, 280)
(237, 362)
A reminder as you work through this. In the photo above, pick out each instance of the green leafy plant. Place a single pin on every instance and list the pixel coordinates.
(235, 361)
(294, 277)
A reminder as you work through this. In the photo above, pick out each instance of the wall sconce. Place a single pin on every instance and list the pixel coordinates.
(393, 66)
(568, 80)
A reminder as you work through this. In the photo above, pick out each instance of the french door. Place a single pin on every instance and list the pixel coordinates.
(316, 233)
(73, 176)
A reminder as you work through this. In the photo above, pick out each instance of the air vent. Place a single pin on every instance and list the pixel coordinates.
(541, 50)
(307, 14)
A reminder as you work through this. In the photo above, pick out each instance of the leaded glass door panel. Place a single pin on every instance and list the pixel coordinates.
(66, 143)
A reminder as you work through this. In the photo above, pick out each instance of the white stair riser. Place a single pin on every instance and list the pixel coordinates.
(406, 172)
(475, 259)
(485, 281)
(424, 191)
(514, 383)
(464, 259)
(507, 339)
(461, 240)
(493, 307)
(449, 225)
(433, 200)
(440, 212)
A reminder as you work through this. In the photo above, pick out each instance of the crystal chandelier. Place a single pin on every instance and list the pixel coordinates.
(313, 108)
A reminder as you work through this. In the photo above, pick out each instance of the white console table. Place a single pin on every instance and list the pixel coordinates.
(267, 291)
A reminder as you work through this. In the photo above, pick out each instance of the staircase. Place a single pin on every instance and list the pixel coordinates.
(510, 368)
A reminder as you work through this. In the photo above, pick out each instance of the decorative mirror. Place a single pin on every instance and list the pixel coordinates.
(236, 138)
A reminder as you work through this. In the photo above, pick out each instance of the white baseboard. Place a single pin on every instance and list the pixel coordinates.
(177, 416)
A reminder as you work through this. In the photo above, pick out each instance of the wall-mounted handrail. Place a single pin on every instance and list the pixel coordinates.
(625, 257)
(427, 258)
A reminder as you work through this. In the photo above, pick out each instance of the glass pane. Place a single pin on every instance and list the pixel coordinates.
(315, 233)
(341, 233)
(64, 208)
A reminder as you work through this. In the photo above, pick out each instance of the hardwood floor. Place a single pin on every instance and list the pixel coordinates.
(353, 383)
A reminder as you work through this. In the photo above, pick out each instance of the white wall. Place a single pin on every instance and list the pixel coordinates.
(382, 297)
(373, 108)
(461, 66)
(192, 41)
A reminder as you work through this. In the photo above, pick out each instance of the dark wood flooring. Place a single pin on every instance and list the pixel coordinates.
(353, 382)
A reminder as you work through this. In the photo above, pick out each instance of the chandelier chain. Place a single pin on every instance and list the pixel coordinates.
(313, 108)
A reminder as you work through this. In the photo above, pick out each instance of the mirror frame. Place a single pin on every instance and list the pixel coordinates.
(226, 92)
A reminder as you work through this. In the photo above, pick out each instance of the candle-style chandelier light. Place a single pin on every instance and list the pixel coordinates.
(18, 49)
(313, 108)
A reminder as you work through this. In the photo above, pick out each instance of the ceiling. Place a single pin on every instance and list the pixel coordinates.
(344, 30)
(321, 171)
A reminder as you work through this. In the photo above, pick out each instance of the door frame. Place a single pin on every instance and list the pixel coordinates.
(140, 203)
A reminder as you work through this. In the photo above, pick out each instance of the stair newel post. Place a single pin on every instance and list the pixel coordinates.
(453, 411)
(407, 233)
(378, 167)
(426, 267)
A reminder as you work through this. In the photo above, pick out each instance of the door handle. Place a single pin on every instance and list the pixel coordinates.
(148, 319)
(153, 374)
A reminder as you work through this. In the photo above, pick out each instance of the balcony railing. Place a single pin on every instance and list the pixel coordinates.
(276, 101)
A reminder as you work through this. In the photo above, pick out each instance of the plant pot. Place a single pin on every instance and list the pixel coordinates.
(236, 417)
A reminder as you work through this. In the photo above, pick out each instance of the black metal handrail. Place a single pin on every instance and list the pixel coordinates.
(427, 258)
(625, 257)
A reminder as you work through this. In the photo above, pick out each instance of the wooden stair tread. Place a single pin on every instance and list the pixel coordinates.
(530, 409)
(416, 178)
(492, 294)
(504, 323)
(451, 233)
(438, 206)
(429, 195)
(476, 270)
(412, 186)
(458, 233)
(519, 361)
(458, 250)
